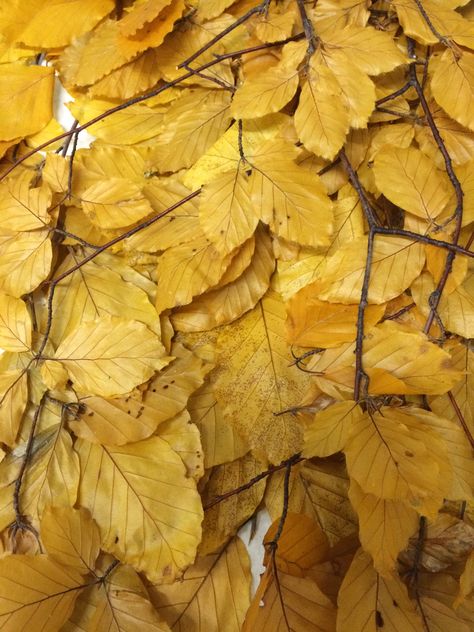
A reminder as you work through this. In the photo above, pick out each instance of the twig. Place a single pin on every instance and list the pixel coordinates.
(296, 458)
(308, 29)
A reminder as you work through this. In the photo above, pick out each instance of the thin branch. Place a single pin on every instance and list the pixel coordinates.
(310, 35)
(444, 40)
(394, 95)
(296, 458)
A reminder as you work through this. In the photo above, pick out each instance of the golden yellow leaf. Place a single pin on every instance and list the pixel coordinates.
(400, 360)
(226, 214)
(115, 203)
(464, 174)
(220, 441)
(118, 604)
(25, 261)
(410, 180)
(110, 356)
(452, 86)
(384, 527)
(141, 14)
(396, 262)
(315, 323)
(132, 125)
(292, 200)
(13, 400)
(184, 438)
(329, 430)
(194, 122)
(301, 544)
(33, 590)
(295, 603)
(26, 99)
(15, 324)
(466, 581)
(321, 120)
(71, 538)
(277, 22)
(371, 50)
(227, 303)
(222, 520)
(51, 24)
(318, 491)
(214, 593)
(22, 208)
(254, 373)
(105, 286)
(149, 513)
(188, 270)
(56, 173)
(368, 602)
(269, 93)
(392, 460)
(456, 309)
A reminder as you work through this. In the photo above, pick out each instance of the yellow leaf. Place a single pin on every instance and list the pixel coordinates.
(187, 270)
(222, 520)
(466, 581)
(292, 200)
(466, 180)
(268, 93)
(392, 352)
(295, 603)
(184, 438)
(191, 125)
(110, 356)
(254, 374)
(393, 461)
(456, 310)
(396, 262)
(51, 24)
(452, 85)
(220, 442)
(321, 120)
(25, 261)
(15, 324)
(384, 527)
(23, 208)
(315, 323)
(226, 214)
(301, 544)
(33, 590)
(115, 203)
(368, 602)
(318, 491)
(26, 99)
(329, 430)
(276, 23)
(141, 14)
(71, 538)
(371, 50)
(149, 513)
(13, 400)
(225, 304)
(101, 287)
(56, 172)
(127, 127)
(214, 593)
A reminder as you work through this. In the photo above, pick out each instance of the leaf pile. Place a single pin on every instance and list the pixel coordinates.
(254, 289)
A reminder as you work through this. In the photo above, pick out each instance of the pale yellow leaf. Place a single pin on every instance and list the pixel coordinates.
(227, 303)
(13, 400)
(321, 120)
(71, 538)
(452, 85)
(15, 324)
(110, 356)
(25, 261)
(384, 527)
(368, 602)
(35, 590)
(56, 172)
(26, 99)
(22, 208)
(184, 438)
(255, 374)
(149, 513)
(396, 262)
(329, 430)
(214, 593)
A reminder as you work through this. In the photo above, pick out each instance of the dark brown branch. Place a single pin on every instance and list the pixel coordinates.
(296, 458)
(308, 28)
(394, 95)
